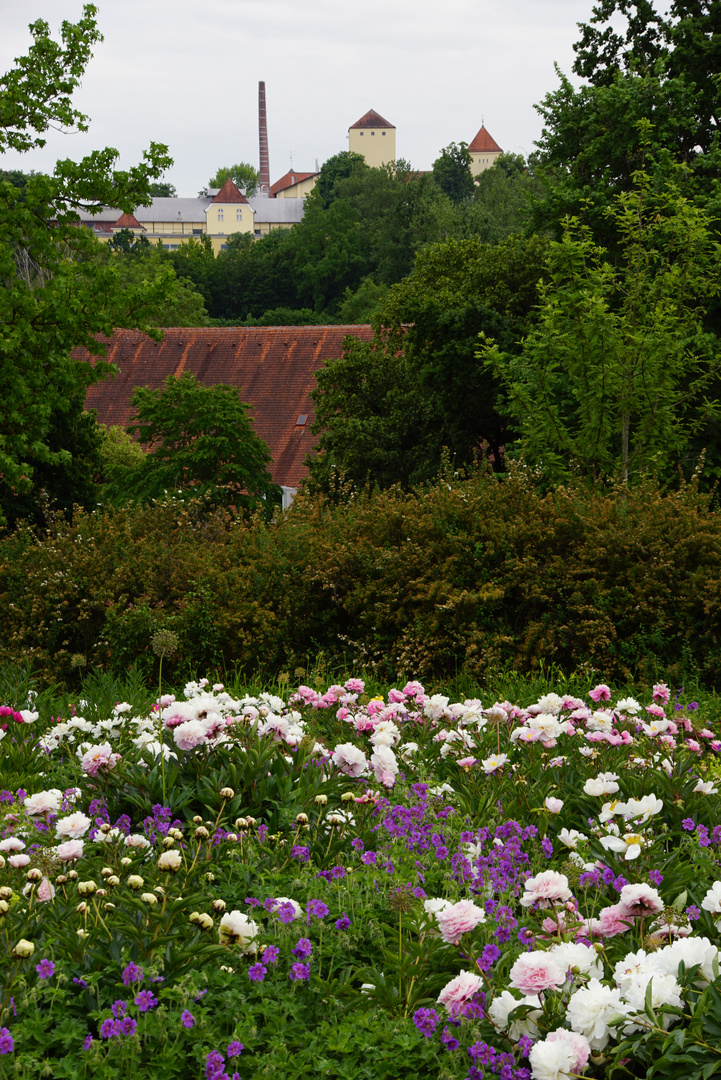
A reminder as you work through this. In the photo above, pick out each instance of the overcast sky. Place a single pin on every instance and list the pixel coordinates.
(186, 72)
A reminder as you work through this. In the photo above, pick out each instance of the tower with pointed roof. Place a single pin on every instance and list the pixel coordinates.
(229, 212)
(484, 150)
(374, 138)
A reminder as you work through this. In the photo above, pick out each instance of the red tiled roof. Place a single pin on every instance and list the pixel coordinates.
(229, 193)
(273, 368)
(127, 221)
(372, 119)
(289, 180)
(483, 143)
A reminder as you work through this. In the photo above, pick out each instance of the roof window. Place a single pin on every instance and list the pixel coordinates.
(302, 420)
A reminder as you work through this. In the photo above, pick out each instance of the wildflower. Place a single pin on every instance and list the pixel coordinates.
(270, 954)
(45, 969)
(303, 949)
(146, 1000)
(235, 1049)
(426, 1020)
(343, 923)
(107, 1029)
(257, 972)
(87, 1042)
(119, 1009)
(7, 1043)
(187, 1019)
(317, 908)
(127, 1026)
(132, 973)
(299, 972)
(449, 1040)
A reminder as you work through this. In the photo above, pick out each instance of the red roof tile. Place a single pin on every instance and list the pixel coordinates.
(289, 180)
(483, 143)
(372, 119)
(273, 368)
(229, 193)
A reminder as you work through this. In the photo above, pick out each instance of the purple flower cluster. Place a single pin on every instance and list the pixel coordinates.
(299, 972)
(111, 1028)
(131, 974)
(317, 909)
(426, 1020)
(7, 1043)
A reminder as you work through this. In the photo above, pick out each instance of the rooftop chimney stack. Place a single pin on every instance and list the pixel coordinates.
(264, 180)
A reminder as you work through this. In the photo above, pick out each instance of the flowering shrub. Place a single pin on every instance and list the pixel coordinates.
(528, 891)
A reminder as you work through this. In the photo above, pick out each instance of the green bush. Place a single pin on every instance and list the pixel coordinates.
(470, 577)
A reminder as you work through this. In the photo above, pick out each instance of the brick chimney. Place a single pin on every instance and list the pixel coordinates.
(264, 181)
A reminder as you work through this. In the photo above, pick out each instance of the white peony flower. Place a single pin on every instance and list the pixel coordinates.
(504, 1004)
(44, 802)
(237, 929)
(590, 1009)
(73, 826)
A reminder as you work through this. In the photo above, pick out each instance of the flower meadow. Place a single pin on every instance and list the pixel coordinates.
(322, 882)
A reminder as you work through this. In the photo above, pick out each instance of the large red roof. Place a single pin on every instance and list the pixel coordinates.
(272, 367)
(483, 143)
(372, 119)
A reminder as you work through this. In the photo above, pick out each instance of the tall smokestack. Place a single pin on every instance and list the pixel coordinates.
(264, 181)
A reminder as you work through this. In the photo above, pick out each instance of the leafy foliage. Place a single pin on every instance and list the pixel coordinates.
(201, 441)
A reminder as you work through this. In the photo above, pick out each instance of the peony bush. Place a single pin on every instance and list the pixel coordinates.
(223, 884)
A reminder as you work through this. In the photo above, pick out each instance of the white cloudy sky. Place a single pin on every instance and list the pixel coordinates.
(186, 72)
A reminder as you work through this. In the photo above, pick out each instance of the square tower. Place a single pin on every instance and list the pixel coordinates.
(374, 138)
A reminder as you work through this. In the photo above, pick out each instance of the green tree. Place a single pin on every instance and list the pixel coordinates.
(645, 73)
(243, 176)
(386, 409)
(163, 190)
(336, 168)
(452, 172)
(613, 377)
(49, 301)
(200, 441)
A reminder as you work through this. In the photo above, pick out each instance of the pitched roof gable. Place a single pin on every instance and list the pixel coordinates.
(483, 143)
(372, 119)
(229, 193)
(290, 180)
(127, 221)
(273, 368)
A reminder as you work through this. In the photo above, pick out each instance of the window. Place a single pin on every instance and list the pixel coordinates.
(372, 132)
(220, 215)
(362, 133)
(238, 215)
(382, 132)
(302, 420)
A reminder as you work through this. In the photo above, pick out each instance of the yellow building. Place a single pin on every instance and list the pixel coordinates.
(172, 222)
(484, 151)
(294, 185)
(374, 138)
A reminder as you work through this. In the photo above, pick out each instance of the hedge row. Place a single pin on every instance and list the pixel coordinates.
(469, 577)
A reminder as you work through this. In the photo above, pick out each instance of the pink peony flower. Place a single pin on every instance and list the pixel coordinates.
(350, 759)
(661, 693)
(546, 889)
(613, 920)
(600, 693)
(459, 919)
(554, 806)
(536, 971)
(458, 991)
(71, 849)
(18, 861)
(46, 891)
(637, 901)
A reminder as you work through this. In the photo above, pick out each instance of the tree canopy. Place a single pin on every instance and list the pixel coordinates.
(243, 175)
(200, 441)
(49, 301)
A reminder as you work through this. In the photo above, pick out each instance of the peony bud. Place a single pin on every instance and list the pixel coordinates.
(227, 793)
(24, 948)
(135, 881)
(321, 800)
(219, 905)
(34, 875)
(149, 898)
(201, 833)
(86, 888)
